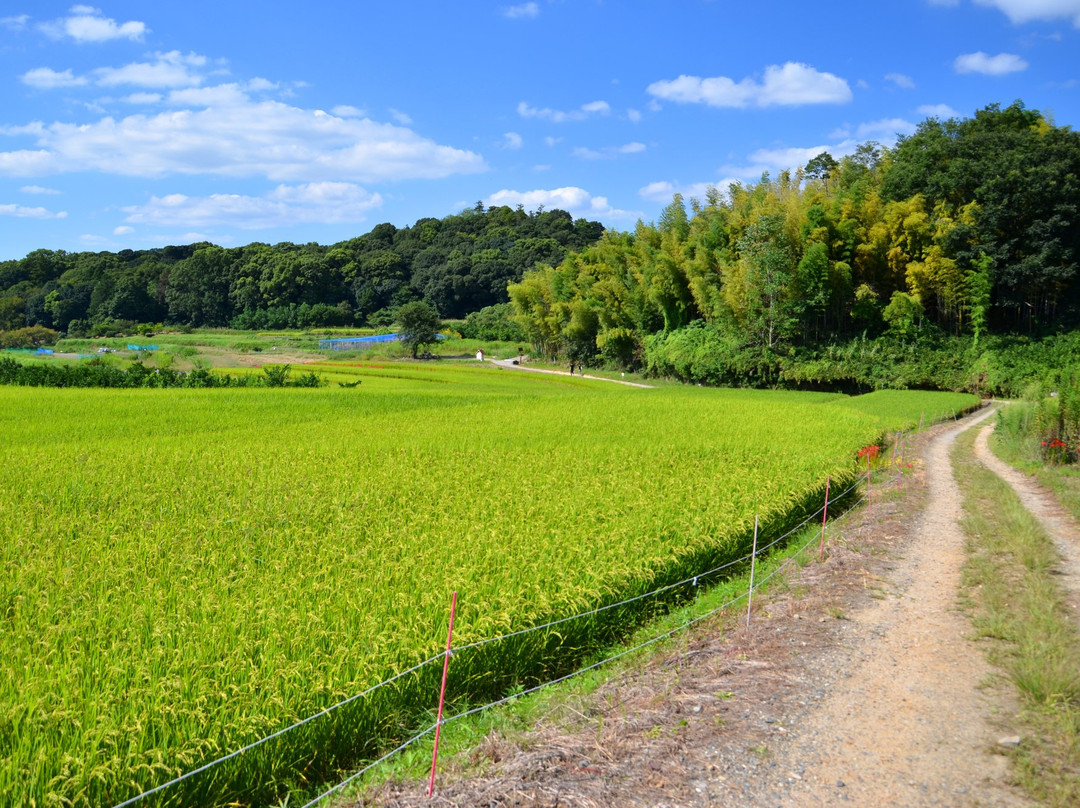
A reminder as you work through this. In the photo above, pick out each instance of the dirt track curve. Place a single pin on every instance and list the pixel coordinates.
(857, 685)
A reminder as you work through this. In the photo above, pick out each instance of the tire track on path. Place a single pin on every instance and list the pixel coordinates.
(911, 725)
(1055, 520)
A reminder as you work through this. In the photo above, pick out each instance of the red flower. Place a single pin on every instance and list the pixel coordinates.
(1057, 444)
(870, 451)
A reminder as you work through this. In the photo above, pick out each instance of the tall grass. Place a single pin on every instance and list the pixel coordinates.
(1017, 604)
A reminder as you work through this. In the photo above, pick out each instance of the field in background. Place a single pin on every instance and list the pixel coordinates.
(188, 570)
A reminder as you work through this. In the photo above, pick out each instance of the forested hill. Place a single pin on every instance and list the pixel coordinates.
(967, 227)
(459, 264)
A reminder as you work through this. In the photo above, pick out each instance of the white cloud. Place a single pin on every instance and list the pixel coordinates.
(123, 230)
(16, 23)
(1021, 11)
(552, 141)
(24, 212)
(236, 137)
(560, 116)
(524, 11)
(900, 80)
(792, 84)
(45, 78)
(347, 111)
(317, 202)
(633, 115)
(88, 24)
(167, 71)
(663, 191)
(986, 64)
(943, 111)
(609, 151)
(512, 140)
(37, 189)
(884, 130)
(143, 98)
(577, 201)
(400, 117)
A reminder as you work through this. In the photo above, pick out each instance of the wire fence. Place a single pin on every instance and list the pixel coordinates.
(688, 581)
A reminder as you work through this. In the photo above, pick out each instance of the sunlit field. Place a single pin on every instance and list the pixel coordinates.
(185, 571)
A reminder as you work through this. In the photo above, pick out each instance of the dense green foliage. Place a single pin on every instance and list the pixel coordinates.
(96, 373)
(154, 620)
(1003, 365)
(965, 229)
(418, 325)
(458, 264)
(1045, 425)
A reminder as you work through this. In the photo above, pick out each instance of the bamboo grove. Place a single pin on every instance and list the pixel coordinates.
(965, 228)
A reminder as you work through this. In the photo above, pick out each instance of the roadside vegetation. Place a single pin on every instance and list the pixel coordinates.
(1040, 434)
(1019, 611)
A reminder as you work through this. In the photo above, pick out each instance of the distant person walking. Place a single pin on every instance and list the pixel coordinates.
(571, 368)
(480, 355)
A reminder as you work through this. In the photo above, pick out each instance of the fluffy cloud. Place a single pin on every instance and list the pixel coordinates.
(512, 140)
(789, 85)
(560, 116)
(577, 201)
(38, 190)
(24, 212)
(236, 137)
(317, 202)
(609, 151)
(980, 62)
(44, 78)
(1020, 11)
(663, 191)
(943, 111)
(16, 23)
(524, 11)
(885, 130)
(166, 71)
(88, 24)
(900, 80)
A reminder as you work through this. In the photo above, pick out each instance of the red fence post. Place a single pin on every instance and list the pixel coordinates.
(442, 695)
(824, 516)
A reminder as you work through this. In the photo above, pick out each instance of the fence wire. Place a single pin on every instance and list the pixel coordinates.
(690, 580)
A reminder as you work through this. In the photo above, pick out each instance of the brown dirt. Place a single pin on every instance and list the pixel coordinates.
(856, 683)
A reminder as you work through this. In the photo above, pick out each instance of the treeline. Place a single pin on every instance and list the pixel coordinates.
(96, 373)
(966, 228)
(458, 264)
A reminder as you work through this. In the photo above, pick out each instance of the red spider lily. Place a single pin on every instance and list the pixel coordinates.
(870, 451)
(1057, 444)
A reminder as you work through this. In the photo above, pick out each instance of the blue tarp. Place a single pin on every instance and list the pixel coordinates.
(349, 343)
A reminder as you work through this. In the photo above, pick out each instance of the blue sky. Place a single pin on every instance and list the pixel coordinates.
(135, 125)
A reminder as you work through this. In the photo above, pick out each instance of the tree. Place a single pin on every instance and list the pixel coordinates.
(821, 168)
(418, 324)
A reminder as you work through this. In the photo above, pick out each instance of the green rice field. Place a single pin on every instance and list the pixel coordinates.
(185, 571)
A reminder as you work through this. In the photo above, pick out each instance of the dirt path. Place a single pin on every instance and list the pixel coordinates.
(513, 364)
(857, 685)
(1055, 520)
(910, 727)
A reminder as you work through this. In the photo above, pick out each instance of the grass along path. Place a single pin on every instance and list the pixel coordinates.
(1054, 519)
(1015, 590)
